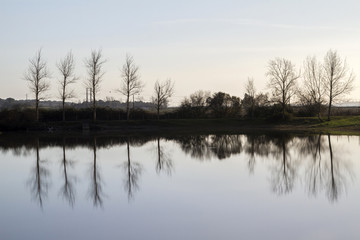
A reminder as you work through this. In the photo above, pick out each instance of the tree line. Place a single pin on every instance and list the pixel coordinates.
(38, 75)
(314, 86)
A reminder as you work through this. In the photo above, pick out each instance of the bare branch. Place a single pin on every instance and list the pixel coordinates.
(36, 75)
(131, 83)
(66, 67)
(94, 65)
(282, 81)
(337, 80)
(162, 93)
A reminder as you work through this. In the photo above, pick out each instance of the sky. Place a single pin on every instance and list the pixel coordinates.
(198, 44)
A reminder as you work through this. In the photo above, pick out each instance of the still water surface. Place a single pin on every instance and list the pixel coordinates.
(276, 186)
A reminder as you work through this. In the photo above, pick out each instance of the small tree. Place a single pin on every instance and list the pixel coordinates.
(338, 81)
(36, 75)
(94, 65)
(282, 81)
(162, 93)
(66, 68)
(130, 84)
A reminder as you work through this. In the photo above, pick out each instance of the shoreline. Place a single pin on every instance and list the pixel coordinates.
(338, 125)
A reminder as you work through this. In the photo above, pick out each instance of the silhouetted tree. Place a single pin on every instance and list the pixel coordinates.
(66, 67)
(198, 98)
(131, 83)
(162, 93)
(223, 105)
(282, 81)
(311, 94)
(250, 95)
(36, 75)
(94, 65)
(337, 79)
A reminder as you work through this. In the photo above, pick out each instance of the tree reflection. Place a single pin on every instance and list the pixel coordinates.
(132, 171)
(223, 146)
(256, 145)
(284, 170)
(314, 173)
(164, 162)
(336, 177)
(39, 180)
(67, 191)
(96, 192)
(197, 146)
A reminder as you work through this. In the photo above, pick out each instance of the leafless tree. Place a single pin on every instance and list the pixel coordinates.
(131, 83)
(66, 67)
(282, 81)
(36, 75)
(337, 78)
(162, 92)
(312, 92)
(250, 91)
(198, 98)
(94, 65)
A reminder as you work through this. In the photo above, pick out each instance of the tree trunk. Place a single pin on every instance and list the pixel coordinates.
(94, 106)
(127, 108)
(63, 110)
(37, 109)
(158, 112)
(329, 110)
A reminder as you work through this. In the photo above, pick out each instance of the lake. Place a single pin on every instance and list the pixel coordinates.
(256, 186)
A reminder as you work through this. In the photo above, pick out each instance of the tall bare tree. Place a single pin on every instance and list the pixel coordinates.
(312, 91)
(162, 92)
(37, 75)
(337, 78)
(94, 65)
(250, 91)
(282, 81)
(131, 83)
(66, 67)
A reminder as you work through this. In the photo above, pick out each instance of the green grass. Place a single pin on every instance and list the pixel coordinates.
(353, 121)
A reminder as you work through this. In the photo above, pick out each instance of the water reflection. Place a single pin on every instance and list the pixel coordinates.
(290, 160)
(96, 184)
(164, 162)
(39, 181)
(67, 191)
(132, 172)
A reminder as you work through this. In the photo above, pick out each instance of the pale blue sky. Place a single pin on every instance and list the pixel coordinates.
(209, 45)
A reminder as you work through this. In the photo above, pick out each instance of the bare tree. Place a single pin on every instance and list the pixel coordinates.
(36, 75)
(337, 78)
(66, 67)
(130, 84)
(94, 65)
(282, 82)
(163, 91)
(250, 92)
(198, 98)
(312, 91)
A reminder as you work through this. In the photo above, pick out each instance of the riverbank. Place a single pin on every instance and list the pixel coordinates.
(349, 125)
